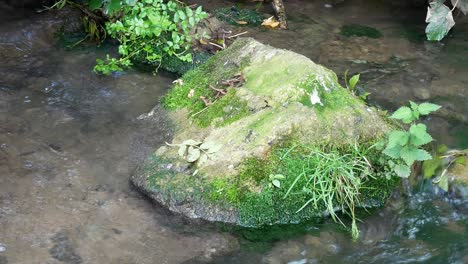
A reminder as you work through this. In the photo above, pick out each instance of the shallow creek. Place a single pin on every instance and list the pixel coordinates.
(70, 139)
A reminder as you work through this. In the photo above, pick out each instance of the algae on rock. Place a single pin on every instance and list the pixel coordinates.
(269, 110)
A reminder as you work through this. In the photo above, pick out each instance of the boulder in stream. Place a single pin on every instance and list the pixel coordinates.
(259, 134)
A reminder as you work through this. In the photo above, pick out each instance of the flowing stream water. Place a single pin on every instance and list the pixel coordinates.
(69, 140)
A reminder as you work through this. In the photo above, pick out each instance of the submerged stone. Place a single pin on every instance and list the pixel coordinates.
(250, 122)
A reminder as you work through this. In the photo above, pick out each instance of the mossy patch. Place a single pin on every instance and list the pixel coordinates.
(360, 31)
(234, 16)
(260, 203)
(196, 83)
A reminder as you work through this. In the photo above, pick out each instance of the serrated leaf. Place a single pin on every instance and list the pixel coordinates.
(404, 114)
(182, 150)
(426, 108)
(410, 154)
(353, 81)
(276, 183)
(402, 170)
(414, 106)
(393, 152)
(419, 135)
(191, 142)
(397, 137)
(440, 20)
(429, 167)
(462, 5)
(193, 154)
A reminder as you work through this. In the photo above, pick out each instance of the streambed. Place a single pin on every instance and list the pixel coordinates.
(70, 139)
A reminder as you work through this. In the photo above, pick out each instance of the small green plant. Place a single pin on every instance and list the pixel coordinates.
(332, 180)
(196, 151)
(275, 180)
(148, 31)
(405, 146)
(351, 84)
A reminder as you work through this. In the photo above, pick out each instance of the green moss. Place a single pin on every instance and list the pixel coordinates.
(225, 111)
(220, 67)
(223, 190)
(175, 65)
(234, 14)
(360, 31)
(270, 205)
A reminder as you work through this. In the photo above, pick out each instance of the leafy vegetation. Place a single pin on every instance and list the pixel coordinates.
(238, 17)
(196, 151)
(150, 30)
(404, 146)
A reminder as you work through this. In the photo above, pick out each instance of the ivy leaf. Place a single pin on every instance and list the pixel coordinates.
(112, 6)
(397, 137)
(404, 114)
(419, 136)
(426, 108)
(402, 170)
(440, 20)
(193, 154)
(276, 183)
(462, 5)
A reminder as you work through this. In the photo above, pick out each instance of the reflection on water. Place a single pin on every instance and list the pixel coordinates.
(70, 139)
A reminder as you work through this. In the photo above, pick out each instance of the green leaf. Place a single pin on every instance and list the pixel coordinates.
(460, 160)
(426, 108)
(414, 106)
(418, 135)
(402, 170)
(112, 6)
(182, 150)
(95, 4)
(429, 167)
(193, 154)
(181, 14)
(410, 154)
(440, 20)
(393, 152)
(404, 114)
(353, 81)
(276, 183)
(397, 137)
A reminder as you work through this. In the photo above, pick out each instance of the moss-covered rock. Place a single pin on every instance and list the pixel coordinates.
(279, 114)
